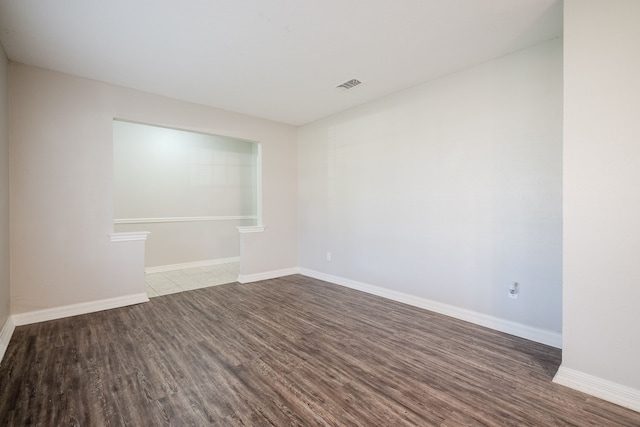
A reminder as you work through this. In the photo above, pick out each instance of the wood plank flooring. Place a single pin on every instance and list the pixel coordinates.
(289, 351)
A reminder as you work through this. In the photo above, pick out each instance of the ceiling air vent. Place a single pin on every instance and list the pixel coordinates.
(349, 84)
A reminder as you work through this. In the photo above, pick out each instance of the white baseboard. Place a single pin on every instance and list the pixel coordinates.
(195, 264)
(5, 336)
(248, 278)
(77, 309)
(598, 387)
(550, 338)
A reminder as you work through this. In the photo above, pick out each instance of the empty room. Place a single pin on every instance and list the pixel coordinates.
(345, 213)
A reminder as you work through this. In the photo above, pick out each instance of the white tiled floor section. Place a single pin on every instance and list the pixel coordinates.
(188, 279)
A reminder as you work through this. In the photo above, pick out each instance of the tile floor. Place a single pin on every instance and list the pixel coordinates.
(171, 282)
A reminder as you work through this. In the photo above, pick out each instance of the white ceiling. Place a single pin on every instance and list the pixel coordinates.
(277, 59)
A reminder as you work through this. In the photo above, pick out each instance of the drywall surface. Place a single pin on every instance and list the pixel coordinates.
(175, 243)
(189, 190)
(61, 137)
(448, 191)
(601, 197)
(4, 191)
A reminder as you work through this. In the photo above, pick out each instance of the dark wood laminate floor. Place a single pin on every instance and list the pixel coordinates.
(290, 351)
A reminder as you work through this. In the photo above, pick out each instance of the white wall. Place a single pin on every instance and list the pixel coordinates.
(448, 191)
(4, 192)
(163, 175)
(601, 191)
(62, 186)
(170, 244)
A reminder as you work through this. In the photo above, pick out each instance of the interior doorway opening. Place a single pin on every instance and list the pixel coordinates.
(191, 191)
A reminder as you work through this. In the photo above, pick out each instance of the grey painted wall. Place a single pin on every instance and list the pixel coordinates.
(601, 196)
(4, 191)
(448, 191)
(62, 186)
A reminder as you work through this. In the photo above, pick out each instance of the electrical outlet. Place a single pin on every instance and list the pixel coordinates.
(514, 290)
(328, 256)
